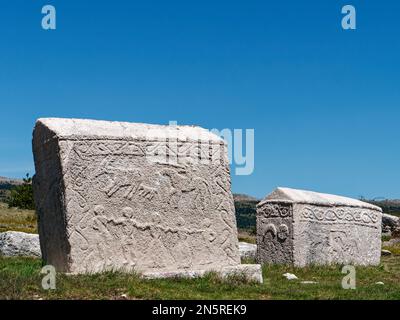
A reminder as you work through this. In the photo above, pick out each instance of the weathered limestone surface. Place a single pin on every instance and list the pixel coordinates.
(13, 244)
(303, 227)
(150, 198)
(252, 272)
(247, 250)
(390, 224)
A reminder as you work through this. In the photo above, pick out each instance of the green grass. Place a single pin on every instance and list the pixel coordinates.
(385, 238)
(13, 219)
(246, 236)
(395, 249)
(20, 278)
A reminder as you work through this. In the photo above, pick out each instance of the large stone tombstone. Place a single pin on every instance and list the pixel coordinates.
(113, 195)
(303, 227)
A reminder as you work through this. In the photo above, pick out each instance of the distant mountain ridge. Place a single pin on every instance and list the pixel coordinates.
(6, 184)
(13, 181)
(244, 197)
(245, 207)
(390, 206)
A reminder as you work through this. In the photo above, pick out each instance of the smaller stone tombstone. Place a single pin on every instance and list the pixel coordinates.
(302, 227)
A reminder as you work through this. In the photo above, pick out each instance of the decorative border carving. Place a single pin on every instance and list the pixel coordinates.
(340, 215)
(272, 210)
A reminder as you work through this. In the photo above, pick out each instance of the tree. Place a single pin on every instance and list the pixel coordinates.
(21, 196)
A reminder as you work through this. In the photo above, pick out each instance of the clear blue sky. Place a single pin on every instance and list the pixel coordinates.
(324, 102)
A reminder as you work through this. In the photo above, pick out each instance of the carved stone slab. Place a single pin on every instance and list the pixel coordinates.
(303, 227)
(112, 195)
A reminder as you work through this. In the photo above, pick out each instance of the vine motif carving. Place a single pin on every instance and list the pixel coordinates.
(272, 210)
(343, 214)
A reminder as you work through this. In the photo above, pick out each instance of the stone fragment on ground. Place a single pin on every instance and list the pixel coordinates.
(14, 244)
(252, 272)
(290, 276)
(247, 250)
(389, 223)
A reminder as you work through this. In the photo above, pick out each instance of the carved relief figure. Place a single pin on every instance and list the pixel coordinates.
(181, 252)
(102, 236)
(157, 255)
(341, 246)
(227, 245)
(205, 246)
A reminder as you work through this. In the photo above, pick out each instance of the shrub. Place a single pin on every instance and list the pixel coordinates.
(21, 196)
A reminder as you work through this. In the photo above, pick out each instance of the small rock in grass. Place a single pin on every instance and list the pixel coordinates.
(379, 283)
(385, 252)
(392, 242)
(124, 296)
(247, 250)
(13, 244)
(290, 276)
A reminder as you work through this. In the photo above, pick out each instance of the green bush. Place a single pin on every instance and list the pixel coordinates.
(246, 214)
(21, 196)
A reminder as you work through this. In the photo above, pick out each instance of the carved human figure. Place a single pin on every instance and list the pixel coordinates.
(102, 236)
(127, 241)
(180, 182)
(206, 244)
(201, 195)
(181, 252)
(157, 255)
(226, 245)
